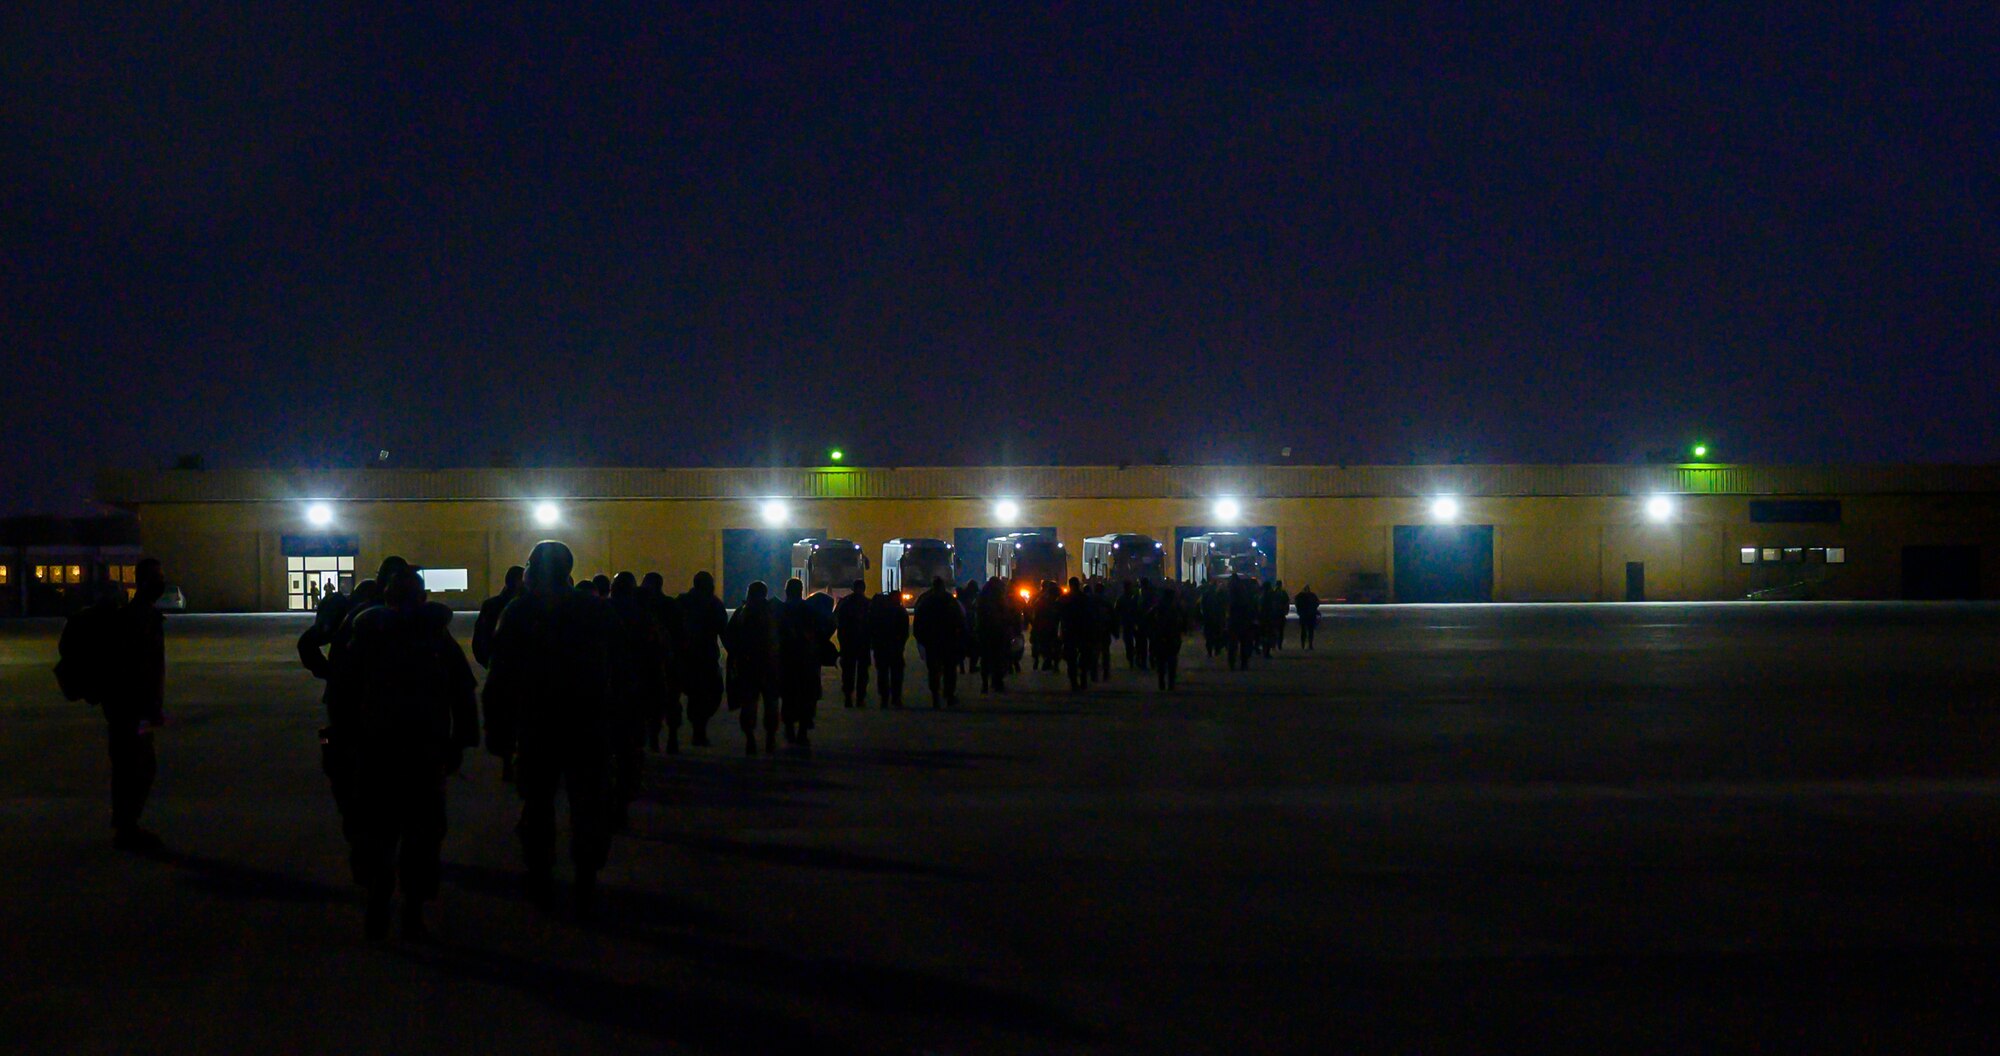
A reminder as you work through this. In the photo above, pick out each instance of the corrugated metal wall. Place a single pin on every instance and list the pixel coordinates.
(135, 488)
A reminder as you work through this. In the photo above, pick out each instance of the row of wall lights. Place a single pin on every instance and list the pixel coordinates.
(776, 512)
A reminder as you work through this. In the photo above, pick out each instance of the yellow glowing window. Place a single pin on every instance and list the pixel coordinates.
(41, 571)
(4, 570)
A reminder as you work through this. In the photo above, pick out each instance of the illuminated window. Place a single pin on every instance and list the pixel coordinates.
(1770, 553)
(127, 575)
(1836, 555)
(5, 570)
(1749, 555)
(62, 575)
(436, 579)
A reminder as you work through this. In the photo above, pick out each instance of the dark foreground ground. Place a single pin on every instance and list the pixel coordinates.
(1494, 829)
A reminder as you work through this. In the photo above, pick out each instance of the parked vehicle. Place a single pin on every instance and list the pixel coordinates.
(829, 565)
(909, 565)
(1124, 557)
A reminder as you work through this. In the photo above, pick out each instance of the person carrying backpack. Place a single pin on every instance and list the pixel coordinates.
(113, 655)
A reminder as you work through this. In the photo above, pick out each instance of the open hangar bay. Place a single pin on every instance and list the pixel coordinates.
(1462, 828)
(264, 540)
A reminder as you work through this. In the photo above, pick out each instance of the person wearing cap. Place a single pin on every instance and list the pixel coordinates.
(547, 706)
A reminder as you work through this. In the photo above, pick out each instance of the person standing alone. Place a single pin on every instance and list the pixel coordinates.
(114, 655)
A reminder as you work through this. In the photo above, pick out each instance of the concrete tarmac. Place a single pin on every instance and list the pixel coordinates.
(1506, 829)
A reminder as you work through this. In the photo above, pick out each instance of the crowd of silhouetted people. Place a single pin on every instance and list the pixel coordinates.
(583, 678)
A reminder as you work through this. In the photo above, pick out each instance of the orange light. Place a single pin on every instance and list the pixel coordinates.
(1065, 590)
(1026, 594)
(906, 595)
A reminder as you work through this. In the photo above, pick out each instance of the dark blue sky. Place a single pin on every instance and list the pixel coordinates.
(940, 234)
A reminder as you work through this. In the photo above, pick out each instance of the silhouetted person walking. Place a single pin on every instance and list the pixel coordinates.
(752, 638)
(666, 706)
(1076, 625)
(1277, 606)
(415, 715)
(996, 624)
(114, 656)
(489, 616)
(1244, 604)
(939, 626)
(546, 704)
(851, 619)
(1165, 623)
(703, 619)
(638, 680)
(1308, 605)
(1107, 631)
(336, 754)
(968, 605)
(805, 635)
(1128, 611)
(1214, 605)
(888, 635)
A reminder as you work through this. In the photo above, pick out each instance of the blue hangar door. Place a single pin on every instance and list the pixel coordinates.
(751, 554)
(1444, 562)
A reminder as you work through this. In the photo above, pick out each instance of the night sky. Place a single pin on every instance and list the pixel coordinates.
(951, 234)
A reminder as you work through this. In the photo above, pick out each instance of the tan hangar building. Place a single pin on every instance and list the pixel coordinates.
(273, 540)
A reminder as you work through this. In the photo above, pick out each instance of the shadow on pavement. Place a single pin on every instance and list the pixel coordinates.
(659, 921)
(806, 857)
(669, 1014)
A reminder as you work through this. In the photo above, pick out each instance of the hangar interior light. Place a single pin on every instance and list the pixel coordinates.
(547, 514)
(1007, 511)
(1227, 510)
(774, 512)
(319, 515)
(1444, 508)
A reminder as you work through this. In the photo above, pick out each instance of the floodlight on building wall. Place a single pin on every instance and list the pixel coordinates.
(1659, 509)
(774, 512)
(547, 514)
(319, 515)
(1444, 508)
(1007, 511)
(1226, 511)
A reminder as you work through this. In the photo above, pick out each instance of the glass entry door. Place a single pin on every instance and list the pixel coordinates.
(309, 579)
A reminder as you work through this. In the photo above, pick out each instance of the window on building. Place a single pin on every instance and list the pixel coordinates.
(1836, 555)
(1771, 553)
(5, 572)
(309, 579)
(59, 575)
(1749, 555)
(1795, 555)
(437, 579)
